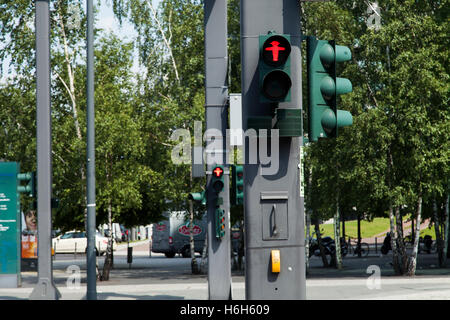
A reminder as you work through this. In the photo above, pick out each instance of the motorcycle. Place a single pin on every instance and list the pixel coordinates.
(425, 244)
(329, 247)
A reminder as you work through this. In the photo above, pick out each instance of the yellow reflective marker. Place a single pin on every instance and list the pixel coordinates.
(276, 261)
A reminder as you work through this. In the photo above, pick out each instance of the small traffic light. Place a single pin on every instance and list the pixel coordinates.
(274, 67)
(198, 197)
(217, 179)
(237, 185)
(30, 188)
(220, 223)
(324, 86)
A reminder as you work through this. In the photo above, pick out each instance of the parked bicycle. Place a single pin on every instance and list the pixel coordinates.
(355, 249)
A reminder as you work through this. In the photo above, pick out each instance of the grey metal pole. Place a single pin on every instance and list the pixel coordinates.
(45, 288)
(275, 199)
(91, 260)
(216, 108)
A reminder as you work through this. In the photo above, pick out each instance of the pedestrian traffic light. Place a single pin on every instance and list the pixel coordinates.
(217, 182)
(274, 67)
(324, 86)
(220, 223)
(237, 185)
(30, 188)
(198, 197)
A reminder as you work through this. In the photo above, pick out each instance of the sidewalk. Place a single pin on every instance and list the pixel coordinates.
(155, 279)
(387, 288)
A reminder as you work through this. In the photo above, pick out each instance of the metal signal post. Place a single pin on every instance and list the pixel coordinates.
(271, 99)
(217, 185)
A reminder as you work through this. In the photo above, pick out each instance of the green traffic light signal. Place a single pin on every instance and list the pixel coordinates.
(324, 87)
(237, 183)
(274, 68)
(198, 197)
(220, 223)
(30, 188)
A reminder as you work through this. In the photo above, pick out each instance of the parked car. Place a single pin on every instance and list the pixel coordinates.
(76, 241)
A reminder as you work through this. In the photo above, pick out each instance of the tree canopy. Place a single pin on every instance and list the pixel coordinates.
(396, 151)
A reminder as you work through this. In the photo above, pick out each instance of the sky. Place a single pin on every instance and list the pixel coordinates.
(108, 22)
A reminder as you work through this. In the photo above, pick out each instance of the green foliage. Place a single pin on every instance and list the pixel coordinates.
(398, 147)
(396, 150)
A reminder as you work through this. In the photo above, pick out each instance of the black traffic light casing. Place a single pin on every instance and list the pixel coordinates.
(217, 181)
(217, 184)
(324, 87)
(274, 68)
(237, 185)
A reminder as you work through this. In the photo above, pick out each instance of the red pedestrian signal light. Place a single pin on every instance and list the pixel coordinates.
(274, 68)
(276, 50)
(217, 179)
(218, 171)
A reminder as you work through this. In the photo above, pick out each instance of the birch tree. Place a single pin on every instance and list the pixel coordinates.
(396, 154)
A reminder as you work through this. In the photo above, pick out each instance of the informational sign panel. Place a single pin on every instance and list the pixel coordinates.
(9, 225)
(236, 119)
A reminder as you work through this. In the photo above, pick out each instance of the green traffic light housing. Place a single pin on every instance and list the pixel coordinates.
(237, 185)
(30, 188)
(274, 68)
(324, 87)
(220, 223)
(198, 197)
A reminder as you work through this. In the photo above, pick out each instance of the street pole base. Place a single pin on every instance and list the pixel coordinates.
(45, 290)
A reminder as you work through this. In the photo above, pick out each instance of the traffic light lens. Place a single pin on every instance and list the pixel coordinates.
(276, 50)
(276, 85)
(218, 171)
(218, 186)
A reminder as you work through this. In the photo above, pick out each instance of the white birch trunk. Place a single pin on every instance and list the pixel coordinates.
(337, 236)
(413, 258)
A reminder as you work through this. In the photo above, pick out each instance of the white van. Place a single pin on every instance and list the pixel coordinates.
(117, 232)
(171, 236)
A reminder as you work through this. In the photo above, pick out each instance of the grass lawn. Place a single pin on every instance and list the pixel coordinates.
(368, 229)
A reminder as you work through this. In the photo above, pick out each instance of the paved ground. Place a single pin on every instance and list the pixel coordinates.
(157, 277)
